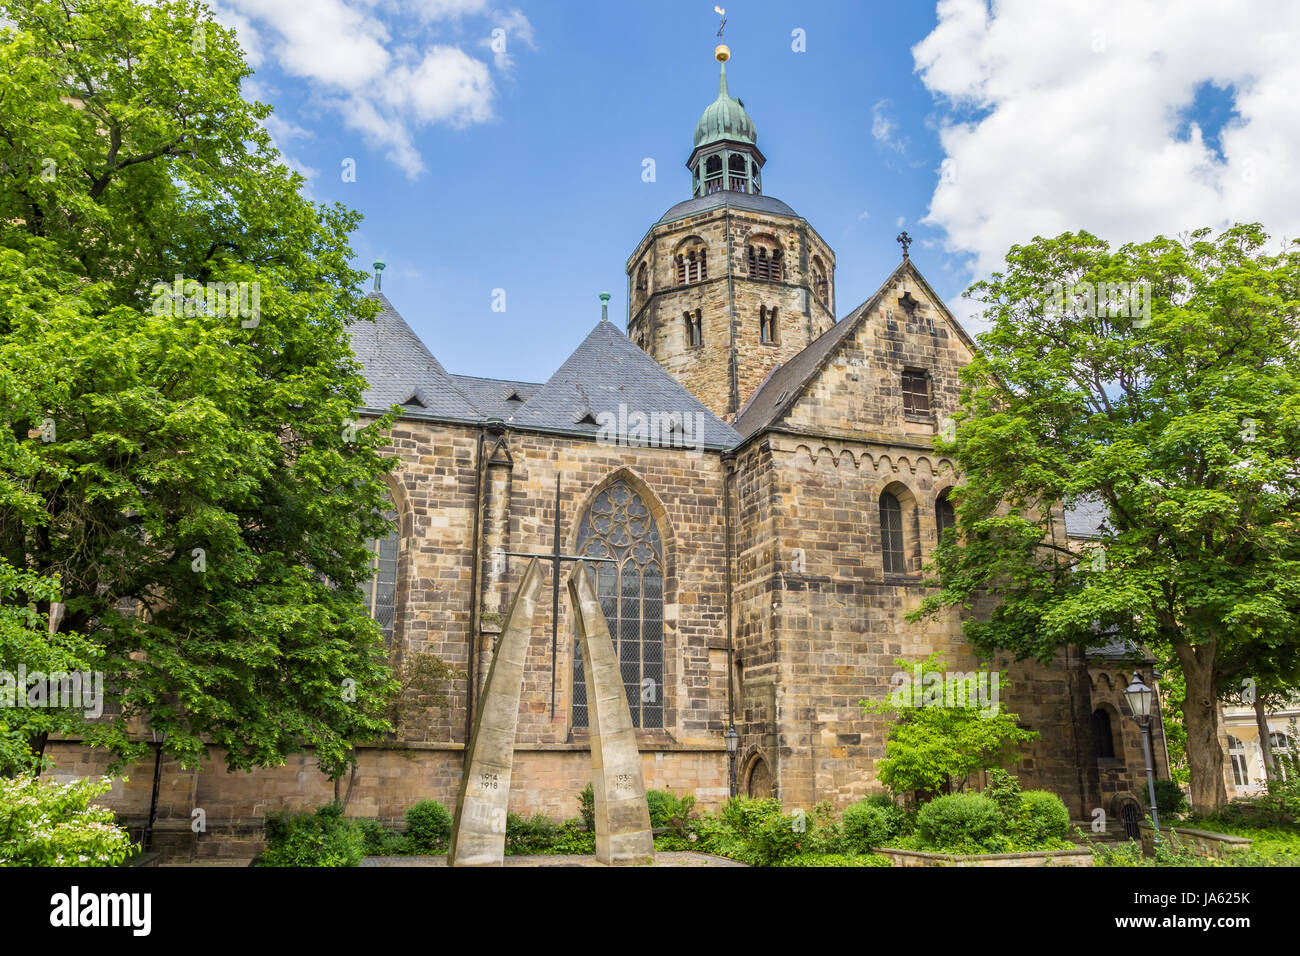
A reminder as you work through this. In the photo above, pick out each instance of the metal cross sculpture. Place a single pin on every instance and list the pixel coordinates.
(722, 13)
(555, 557)
(904, 240)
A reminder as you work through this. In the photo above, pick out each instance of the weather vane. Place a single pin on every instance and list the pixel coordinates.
(904, 240)
(722, 13)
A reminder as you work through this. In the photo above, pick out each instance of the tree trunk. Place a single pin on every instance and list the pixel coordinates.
(1201, 717)
(1265, 744)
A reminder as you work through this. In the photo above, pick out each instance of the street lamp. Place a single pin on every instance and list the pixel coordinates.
(733, 742)
(1139, 697)
(159, 738)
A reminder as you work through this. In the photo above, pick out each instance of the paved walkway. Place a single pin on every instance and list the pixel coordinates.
(553, 859)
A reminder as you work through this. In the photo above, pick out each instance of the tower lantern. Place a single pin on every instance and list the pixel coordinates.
(725, 156)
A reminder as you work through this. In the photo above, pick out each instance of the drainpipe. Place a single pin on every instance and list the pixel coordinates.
(471, 689)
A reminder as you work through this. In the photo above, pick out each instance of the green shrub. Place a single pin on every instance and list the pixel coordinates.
(587, 807)
(1170, 800)
(381, 841)
(882, 799)
(44, 823)
(322, 838)
(1004, 790)
(756, 832)
(835, 859)
(1042, 817)
(669, 811)
(527, 835)
(572, 837)
(826, 834)
(959, 823)
(868, 825)
(428, 826)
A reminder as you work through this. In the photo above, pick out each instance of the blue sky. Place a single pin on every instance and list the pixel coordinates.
(520, 168)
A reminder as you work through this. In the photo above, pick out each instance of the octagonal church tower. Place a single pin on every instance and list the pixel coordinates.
(732, 282)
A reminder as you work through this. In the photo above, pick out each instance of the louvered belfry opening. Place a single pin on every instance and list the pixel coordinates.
(619, 525)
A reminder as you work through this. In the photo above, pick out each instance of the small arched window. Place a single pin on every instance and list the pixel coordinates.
(945, 516)
(891, 534)
(380, 589)
(694, 328)
(1103, 740)
(714, 181)
(642, 281)
(738, 173)
(820, 287)
(767, 325)
(692, 263)
(764, 261)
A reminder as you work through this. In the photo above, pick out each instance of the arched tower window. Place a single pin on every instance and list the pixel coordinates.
(619, 525)
(642, 281)
(764, 260)
(694, 328)
(738, 172)
(820, 287)
(380, 590)
(691, 261)
(891, 534)
(767, 325)
(714, 181)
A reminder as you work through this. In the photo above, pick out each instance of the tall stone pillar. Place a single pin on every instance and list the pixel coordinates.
(623, 836)
(478, 831)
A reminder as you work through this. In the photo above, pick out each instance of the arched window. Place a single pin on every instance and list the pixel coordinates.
(738, 173)
(618, 525)
(1103, 740)
(767, 325)
(642, 281)
(820, 287)
(713, 178)
(692, 263)
(891, 534)
(380, 590)
(764, 260)
(694, 328)
(945, 516)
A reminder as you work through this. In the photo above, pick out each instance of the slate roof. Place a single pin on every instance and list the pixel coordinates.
(1118, 649)
(605, 372)
(491, 396)
(397, 366)
(727, 197)
(608, 370)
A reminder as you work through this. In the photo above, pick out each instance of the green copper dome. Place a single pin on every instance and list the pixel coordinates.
(725, 119)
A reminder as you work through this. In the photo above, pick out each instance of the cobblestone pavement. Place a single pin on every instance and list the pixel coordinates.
(661, 859)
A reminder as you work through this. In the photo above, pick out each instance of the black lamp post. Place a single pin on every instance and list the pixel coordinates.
(1140, 697)
(733, 742)
(159, 736)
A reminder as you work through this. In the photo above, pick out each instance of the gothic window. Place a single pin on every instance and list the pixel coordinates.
(945, 516)
(380, 590)
(820, 287)
(891, 534)
(1103, 740)
(694, 328)
(618, 525)
(767, 325)
(916, 392)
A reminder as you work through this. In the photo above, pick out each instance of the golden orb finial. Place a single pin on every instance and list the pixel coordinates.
(722, 54)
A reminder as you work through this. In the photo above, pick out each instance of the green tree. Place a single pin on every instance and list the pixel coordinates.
(1182, 417)
(937, 742)
(185, 466)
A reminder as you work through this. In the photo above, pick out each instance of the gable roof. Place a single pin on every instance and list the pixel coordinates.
(397, 366)
(785, 383)
(609, 370)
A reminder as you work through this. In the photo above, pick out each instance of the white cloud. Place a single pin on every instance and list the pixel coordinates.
(1065, 116)
(883, 128)
(347, 55)
(513, 28)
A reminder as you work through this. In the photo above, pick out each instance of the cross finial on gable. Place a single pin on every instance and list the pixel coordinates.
(904, 240)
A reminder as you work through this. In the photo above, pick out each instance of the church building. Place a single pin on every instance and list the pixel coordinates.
(760, 482)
